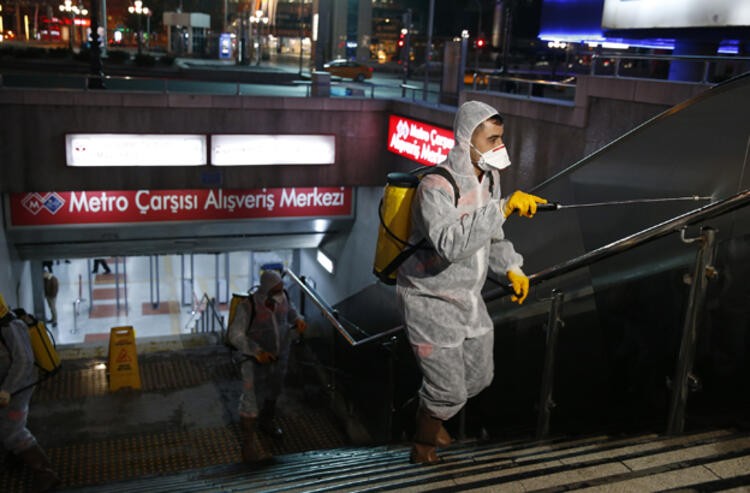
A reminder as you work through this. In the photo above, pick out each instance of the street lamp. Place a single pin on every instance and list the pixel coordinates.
(258, 19)
(73, 12)
(139, 9)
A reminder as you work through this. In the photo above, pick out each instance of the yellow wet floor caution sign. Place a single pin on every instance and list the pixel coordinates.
(123, 359)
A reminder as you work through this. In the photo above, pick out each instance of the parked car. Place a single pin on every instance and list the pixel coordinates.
(482, 78)
(348, 70)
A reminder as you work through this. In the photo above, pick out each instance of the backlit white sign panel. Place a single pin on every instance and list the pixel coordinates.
(94, 150)
(655, 14)
(258, 150)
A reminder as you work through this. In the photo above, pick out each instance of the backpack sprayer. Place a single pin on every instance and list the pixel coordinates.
(555, 206)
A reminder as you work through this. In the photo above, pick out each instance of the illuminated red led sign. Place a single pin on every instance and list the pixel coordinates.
(143, 206)
(418, 141)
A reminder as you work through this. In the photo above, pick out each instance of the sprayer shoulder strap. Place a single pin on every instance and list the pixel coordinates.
(439, 170)
(2, 338)
(422, 244)
(251, 301)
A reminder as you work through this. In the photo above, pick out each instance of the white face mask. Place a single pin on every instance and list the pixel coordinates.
(278, 298)
(496, 158)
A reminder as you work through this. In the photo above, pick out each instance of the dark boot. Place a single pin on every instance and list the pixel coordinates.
(267, 420)
(425, 439)
(44, 478)
(252, 449)
(444, 439)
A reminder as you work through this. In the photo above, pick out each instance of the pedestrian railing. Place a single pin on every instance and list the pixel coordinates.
(205, 317)
(524, 87)
(344, 327)
(703, 272)
(179, 86)
(647, 66)
(561, 85)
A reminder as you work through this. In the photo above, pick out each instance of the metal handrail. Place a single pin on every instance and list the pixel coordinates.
(669, 226)
(494, 75)
(531, 83)
(209, 305)
(234, 88)
(686, 58)
(706, 60)
(329, 312)
(627, 243)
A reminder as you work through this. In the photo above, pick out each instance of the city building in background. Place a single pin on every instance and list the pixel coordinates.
(677, 27)
(555, 36)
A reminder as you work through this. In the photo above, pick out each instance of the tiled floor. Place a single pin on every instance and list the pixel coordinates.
(88, 304)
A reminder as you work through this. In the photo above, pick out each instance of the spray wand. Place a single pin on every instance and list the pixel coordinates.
(555, 206)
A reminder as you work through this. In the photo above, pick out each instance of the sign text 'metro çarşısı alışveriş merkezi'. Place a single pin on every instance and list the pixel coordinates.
(29, 209)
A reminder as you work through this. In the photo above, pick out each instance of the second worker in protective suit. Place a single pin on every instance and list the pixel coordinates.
(262, 331)
(17, 376)
(439, 288)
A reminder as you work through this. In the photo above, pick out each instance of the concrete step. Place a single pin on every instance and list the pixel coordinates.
(711, 460)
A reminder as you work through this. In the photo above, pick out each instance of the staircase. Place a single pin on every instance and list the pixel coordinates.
(714, 460)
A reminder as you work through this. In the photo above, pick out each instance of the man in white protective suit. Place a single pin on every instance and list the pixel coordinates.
(439, 288)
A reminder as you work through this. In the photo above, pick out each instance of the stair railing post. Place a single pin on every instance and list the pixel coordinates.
(389, 347)
(546, 404)
(703, 271)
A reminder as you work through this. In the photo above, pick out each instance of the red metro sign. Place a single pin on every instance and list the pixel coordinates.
(139, 206)
(418, 141)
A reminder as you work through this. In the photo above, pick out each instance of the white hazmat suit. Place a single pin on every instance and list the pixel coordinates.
(439, 289)
(270, 331)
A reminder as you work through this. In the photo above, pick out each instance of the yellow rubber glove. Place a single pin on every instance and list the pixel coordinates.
(264, 357)
(300, 326)
(520, 284)
(523, 202)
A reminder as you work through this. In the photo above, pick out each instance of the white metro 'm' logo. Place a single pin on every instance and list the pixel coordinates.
(402, 129)
(33, 202)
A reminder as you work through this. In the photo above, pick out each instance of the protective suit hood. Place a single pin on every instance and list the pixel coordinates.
(268, 280)
(468, 118)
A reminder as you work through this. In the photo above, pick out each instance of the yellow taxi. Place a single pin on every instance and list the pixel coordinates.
(347, 69)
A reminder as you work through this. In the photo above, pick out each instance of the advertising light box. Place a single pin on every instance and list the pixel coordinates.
(655, 14)
(98, 150)
(152, 206)
(256, 150)
(421, 142)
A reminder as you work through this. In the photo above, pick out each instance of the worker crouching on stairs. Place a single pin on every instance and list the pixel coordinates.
(263, 333)
(17, 371)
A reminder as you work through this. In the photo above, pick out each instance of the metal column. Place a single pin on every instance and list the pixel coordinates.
(221, 290)
(124, 284)
(187, 294)
(91, 286)
(153, 270)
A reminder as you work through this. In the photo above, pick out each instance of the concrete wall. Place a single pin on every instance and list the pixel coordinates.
(545, 137)
(15, 277)
(352, 252)
(35, 141)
